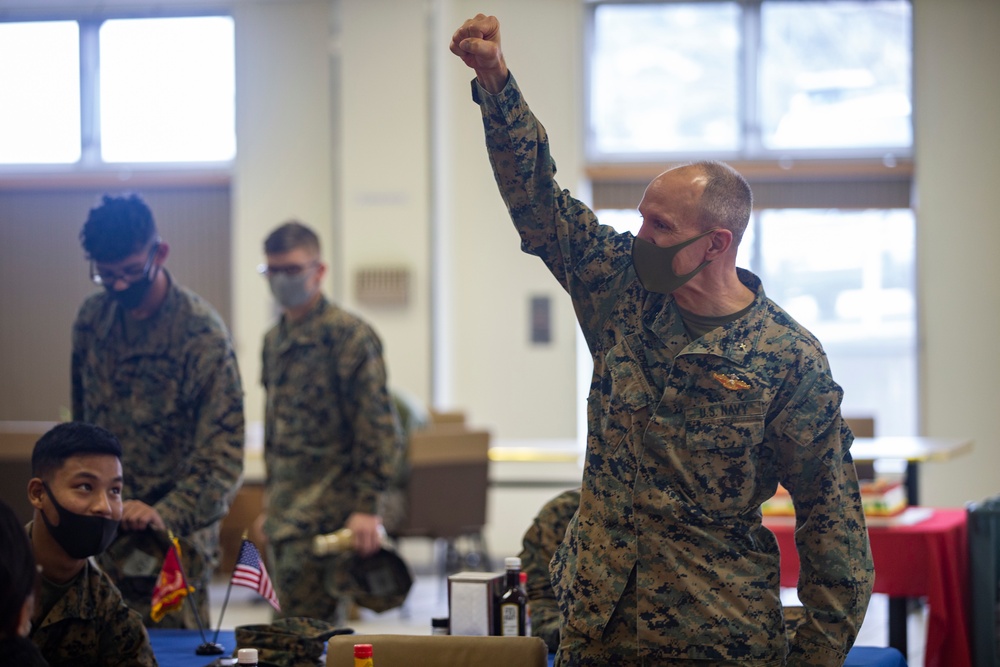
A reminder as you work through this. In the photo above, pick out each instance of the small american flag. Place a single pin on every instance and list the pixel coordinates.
(250, 572)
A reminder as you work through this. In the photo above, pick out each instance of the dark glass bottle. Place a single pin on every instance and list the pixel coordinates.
(514, 602)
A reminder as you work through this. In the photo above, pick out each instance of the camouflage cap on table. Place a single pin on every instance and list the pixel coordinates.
(297, 641)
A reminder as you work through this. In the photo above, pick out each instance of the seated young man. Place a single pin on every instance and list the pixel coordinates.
(80, 618)
(539, 543)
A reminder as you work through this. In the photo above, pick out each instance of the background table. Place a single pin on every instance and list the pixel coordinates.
(914, 450)
(928, 559)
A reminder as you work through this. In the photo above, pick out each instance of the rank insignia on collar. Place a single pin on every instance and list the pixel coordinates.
(730, 381)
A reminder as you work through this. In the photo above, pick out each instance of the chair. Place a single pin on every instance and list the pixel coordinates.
(446, 493)
(436, 650)
(863, 427)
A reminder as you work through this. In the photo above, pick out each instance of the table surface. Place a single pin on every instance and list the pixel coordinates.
(175, 648)
(911, 448)
(927, 559)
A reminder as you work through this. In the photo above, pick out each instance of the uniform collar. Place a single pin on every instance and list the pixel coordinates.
(77, 600)
(301, 331)
(733, 341)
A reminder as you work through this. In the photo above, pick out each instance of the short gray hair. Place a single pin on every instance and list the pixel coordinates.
(726, 201)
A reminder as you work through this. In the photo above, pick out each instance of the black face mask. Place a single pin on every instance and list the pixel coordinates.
(132, 296)
(80, 535)
(654, 265)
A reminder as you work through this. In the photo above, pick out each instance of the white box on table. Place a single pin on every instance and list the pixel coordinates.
(472, 602)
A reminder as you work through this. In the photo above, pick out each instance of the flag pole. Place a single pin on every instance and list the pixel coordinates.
(206, 648)
(229, 588)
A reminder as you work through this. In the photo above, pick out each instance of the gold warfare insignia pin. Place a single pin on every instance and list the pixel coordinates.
(730, 381)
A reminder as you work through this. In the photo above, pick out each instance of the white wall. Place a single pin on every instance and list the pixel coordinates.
(383, 169)
(284, 168)
(520, 390)
(958, 236)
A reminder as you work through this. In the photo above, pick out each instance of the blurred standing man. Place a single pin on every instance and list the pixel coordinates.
(153, 363)
(705, 395)
(80, 619)
(331, 435)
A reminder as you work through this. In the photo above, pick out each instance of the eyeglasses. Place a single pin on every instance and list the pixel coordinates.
(291, 270)
(130, 274)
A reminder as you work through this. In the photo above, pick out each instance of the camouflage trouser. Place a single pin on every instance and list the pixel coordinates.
(303, 581)
(619, 643)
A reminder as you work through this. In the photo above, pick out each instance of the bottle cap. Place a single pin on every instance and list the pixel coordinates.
(247, 656)
(512, 562)
(440, 622)
(362, 650)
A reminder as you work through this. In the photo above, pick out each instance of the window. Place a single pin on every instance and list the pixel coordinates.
(167, 90)
(835, 75)
(651, 94)
(40, 114)
(118, 91)
(749, 80)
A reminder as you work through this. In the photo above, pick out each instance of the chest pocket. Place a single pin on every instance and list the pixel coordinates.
(629, 396)
(719, 456)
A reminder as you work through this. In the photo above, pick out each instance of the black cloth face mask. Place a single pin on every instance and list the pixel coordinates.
(80, 535)
(132, 296)
(655, 265)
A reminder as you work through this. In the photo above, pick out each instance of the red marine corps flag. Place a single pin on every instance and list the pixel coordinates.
(171, 586)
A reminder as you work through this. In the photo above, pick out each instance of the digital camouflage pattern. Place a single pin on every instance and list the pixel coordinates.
(686, 439)
(309, 585)
(90, 625)
(332, 439)
(290, 642)
(538, 546)
(169, 388)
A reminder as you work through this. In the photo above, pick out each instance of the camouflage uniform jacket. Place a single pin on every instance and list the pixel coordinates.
(538, 546)
(175, 401)
(91, 625)
(686, 439)
(331, 434)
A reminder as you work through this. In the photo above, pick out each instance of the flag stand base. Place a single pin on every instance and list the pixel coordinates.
(210, 648)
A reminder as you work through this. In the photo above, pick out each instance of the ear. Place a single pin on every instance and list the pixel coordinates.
(35, 491)
(162, 251)
(722, 241)
(321, 270)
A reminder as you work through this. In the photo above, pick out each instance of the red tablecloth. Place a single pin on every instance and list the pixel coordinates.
(928, 559)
